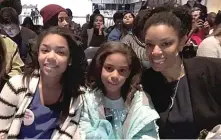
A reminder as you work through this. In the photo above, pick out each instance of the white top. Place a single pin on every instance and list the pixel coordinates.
(210, 47)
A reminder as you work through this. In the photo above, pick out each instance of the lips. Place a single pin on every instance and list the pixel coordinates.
(158, 61)
(114, 84)
(50, 67)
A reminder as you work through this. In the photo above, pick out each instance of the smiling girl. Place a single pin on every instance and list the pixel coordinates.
(45, 102)
(114, 101)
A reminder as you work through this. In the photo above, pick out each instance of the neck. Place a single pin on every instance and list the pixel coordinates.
(113, 95)
(50, 82)
(129, 27)
(175, 72)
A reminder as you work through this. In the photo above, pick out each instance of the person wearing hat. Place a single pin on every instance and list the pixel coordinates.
(54, 15)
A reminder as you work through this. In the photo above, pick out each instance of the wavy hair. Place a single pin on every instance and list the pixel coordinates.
(93, 78)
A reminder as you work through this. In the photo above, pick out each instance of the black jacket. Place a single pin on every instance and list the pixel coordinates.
(204, 80)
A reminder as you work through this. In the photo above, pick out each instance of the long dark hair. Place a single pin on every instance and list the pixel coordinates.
(93, 79)
(74, 74)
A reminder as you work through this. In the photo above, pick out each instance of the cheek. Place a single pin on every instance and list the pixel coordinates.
(41, 59)
(64, 61)
(131, 20)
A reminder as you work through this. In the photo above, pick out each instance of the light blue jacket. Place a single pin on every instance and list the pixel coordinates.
(140, 122)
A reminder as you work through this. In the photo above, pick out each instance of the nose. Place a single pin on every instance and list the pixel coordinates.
(51, 56)
(114, 76)
(156, 50)
(65, 23)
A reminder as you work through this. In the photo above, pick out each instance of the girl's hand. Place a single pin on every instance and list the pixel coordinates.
(101, 28)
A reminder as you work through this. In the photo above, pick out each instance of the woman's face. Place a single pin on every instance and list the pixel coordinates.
(128, 19)
(63, 19)
(162, 46)
(98, 22)
(54, 55)
(115, 71)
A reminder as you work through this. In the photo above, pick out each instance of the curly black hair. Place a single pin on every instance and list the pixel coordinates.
(8, 15)
(16, 4)
(140, 20)
(177, 17)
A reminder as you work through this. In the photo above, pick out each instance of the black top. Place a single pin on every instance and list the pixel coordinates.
(177, 122)
(97, 39)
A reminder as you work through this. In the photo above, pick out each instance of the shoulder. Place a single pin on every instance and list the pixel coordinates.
(128, 37)
(142, 98)
(208, 41)
(8, 42)
(203, 65)
(91, 94)
(28, 32)
(202, 61)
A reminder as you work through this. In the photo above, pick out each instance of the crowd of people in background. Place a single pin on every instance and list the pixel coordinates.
(152, 75)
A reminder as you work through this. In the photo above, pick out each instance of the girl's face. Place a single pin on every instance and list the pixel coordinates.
(98, 22)
(128, 19)
(63, 19)
(115, 71)
(54, 55)
(162, 46)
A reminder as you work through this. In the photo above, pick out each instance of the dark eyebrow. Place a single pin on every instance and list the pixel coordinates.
(162, 40)
(59, 47)
(107, 64)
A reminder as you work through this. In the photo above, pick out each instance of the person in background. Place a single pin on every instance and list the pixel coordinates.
(2, 64)
(196, 3)
(91, 22)
(10, 26)
(113, 32)
(114, 102)
(13, 65)
(32, 15)
(96, 35)
(136, 40)
(28, 23)
(54, 15)
(128, 23)
(186, 93)
(48, 95)
(211, 20)
(85, 26)
(124, 28)
(210, 47)
(36, 17)
(15, 4)
(200, 27)
(202, 7)
(76, 28)
(217, 22)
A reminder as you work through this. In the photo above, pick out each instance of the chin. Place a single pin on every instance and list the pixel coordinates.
(157, 68)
